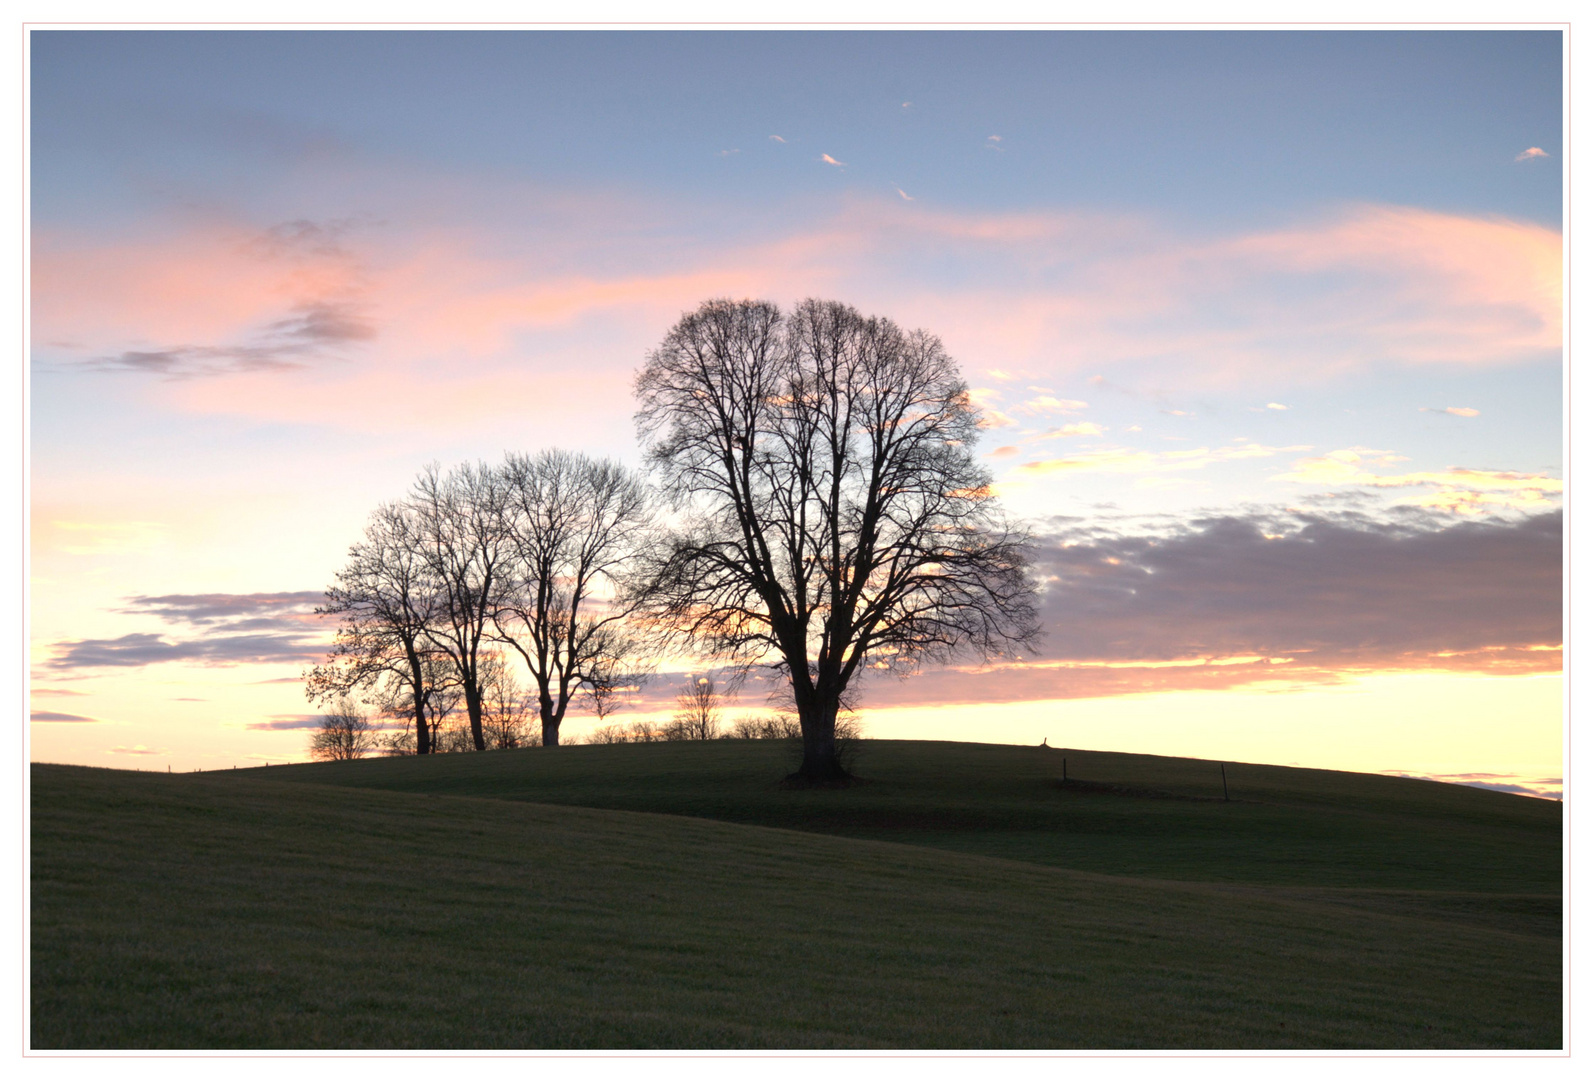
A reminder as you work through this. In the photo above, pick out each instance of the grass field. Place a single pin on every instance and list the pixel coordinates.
(674, 895)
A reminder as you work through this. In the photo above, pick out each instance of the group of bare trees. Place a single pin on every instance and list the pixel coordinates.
(479, 568)
(826, 517)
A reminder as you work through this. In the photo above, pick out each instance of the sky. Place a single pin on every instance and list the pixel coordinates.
(1266, 327)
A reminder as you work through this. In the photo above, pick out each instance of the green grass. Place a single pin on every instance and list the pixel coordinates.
(961, 897)
(1284, 826)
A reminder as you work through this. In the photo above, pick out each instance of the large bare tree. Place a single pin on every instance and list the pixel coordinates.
(384, 599)
(832, 513)
(573, 525)
(465, 547)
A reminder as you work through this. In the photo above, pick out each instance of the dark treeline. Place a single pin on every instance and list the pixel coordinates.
(816, 509)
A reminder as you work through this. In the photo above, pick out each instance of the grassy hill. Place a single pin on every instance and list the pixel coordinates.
(961, 897)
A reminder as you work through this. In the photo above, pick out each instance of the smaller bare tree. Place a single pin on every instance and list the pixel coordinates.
(344, 734)
(507, 708)
(697, 711)
(384, 598)
(466, 551)
(573, 525)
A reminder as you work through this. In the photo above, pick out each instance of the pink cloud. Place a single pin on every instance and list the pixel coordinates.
(462, 321)
(204, 286)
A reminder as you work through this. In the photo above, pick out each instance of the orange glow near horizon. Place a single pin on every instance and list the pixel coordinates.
(1434, 724)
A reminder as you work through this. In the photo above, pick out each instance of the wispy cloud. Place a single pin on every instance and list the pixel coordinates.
(1532, 152)
(221, 629)
(233, 628)
(904, 195)
(139, 650)
(139, 750)
(271, 300)
(286, 722)
(1453, 410)
(1459, 490)
(1067, 431)
(42, 717)
(993, 142)
(287, 343)
(1048, 403)
(776, 138)
(828, 160)
(1122, 459)
(236, 611)
(1275, 405)
(987, 400)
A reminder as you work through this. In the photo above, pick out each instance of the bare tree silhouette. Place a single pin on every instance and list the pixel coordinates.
(345, 734)
(507, 709)
(463, 543)
(572, 525)
(697, 710)
(832, 512)
(384, 599)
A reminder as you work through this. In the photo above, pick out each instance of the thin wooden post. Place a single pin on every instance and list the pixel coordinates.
(1224, 769)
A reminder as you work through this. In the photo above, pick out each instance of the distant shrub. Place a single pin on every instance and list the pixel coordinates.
(779, 726)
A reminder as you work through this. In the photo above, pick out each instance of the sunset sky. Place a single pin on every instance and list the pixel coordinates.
(1266, 327)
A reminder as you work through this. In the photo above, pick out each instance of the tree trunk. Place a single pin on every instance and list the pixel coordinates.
(820, 763)
(422, 729)
(417, 685)
(550, 718)
(473, 706)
